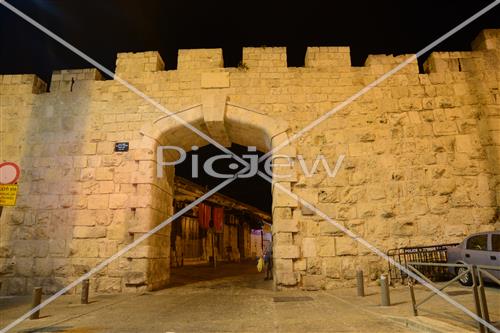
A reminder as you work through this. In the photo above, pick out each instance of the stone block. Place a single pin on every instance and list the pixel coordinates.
(283, 199)
(98, 201)
(308, 247)
(80, 248)
(135, 278)
(282, 225)
(104, 174)
(19, 266)
(299, 265)
(118, 200)
(306, 210)
(106, 187)
(325, 246)
(215, 80)
(283, 238)
(283, 265)
(463, 144)
(309, 228)
(333, 267)
(281, 213)
(286, 251)
(348, 267)
(14, 286)
(88, 148)
(329, 209)
(142, 252)
(89, 232)
(57, 248)
(445, 128)
(327, 228)
(109, 285)
(117, 231)
(438, 204)
(287, 278)
(329, 195)
(345, 246)
(84, 217)
(312, 282)
(105, 148)
(455, 230)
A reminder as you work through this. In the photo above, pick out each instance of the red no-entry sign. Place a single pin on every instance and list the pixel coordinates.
(9, 173)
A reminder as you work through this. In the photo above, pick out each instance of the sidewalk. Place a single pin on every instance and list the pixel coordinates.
(434, 316)
(246, 303)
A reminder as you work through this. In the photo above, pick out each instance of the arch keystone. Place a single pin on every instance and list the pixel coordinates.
(214, 108)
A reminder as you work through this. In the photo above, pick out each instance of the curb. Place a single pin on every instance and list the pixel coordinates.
(428, 325)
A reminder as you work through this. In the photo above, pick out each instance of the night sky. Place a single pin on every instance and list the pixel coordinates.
(102, 28)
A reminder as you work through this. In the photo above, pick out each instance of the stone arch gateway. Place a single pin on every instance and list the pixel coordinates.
(227, 122)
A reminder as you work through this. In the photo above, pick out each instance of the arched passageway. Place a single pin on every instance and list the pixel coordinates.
(225, 122)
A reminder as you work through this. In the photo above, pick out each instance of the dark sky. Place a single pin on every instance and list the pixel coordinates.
(102, 28)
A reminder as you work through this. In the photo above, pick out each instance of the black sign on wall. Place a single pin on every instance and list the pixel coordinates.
(121, 146)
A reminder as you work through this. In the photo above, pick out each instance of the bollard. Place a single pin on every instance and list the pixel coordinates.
(384, 290)
(37, 299)
(85, 292)
(360, 283)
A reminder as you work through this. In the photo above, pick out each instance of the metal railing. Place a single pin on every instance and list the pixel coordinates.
(429, 254)
(476, 272)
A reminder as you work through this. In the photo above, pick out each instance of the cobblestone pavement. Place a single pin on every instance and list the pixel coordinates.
(233, 303)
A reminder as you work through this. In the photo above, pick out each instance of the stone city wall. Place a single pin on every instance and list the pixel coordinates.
(421, 167)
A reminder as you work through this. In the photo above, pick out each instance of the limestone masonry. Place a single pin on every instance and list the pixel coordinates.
(422, 161)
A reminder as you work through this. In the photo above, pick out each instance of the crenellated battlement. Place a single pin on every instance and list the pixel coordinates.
(328, 58)
(197, 59)
(487, 39)
(332, 59)
(130, 62)
(21, 83)
(69, 79)
(264, 58)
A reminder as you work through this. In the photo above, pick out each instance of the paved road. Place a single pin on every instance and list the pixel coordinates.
(238, 303)
(235, 298)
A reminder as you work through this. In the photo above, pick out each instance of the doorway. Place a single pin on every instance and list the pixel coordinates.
(236, 125)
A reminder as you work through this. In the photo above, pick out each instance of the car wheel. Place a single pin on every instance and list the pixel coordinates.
(465, 280)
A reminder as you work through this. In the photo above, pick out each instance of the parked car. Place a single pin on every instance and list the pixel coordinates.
(478, 249)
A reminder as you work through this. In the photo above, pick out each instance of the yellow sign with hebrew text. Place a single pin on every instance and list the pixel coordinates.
(8, 194)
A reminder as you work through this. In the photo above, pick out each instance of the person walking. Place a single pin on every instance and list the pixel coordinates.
(268, 261)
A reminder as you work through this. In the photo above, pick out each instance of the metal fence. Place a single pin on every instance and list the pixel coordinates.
(425, 254)
(477, 273)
